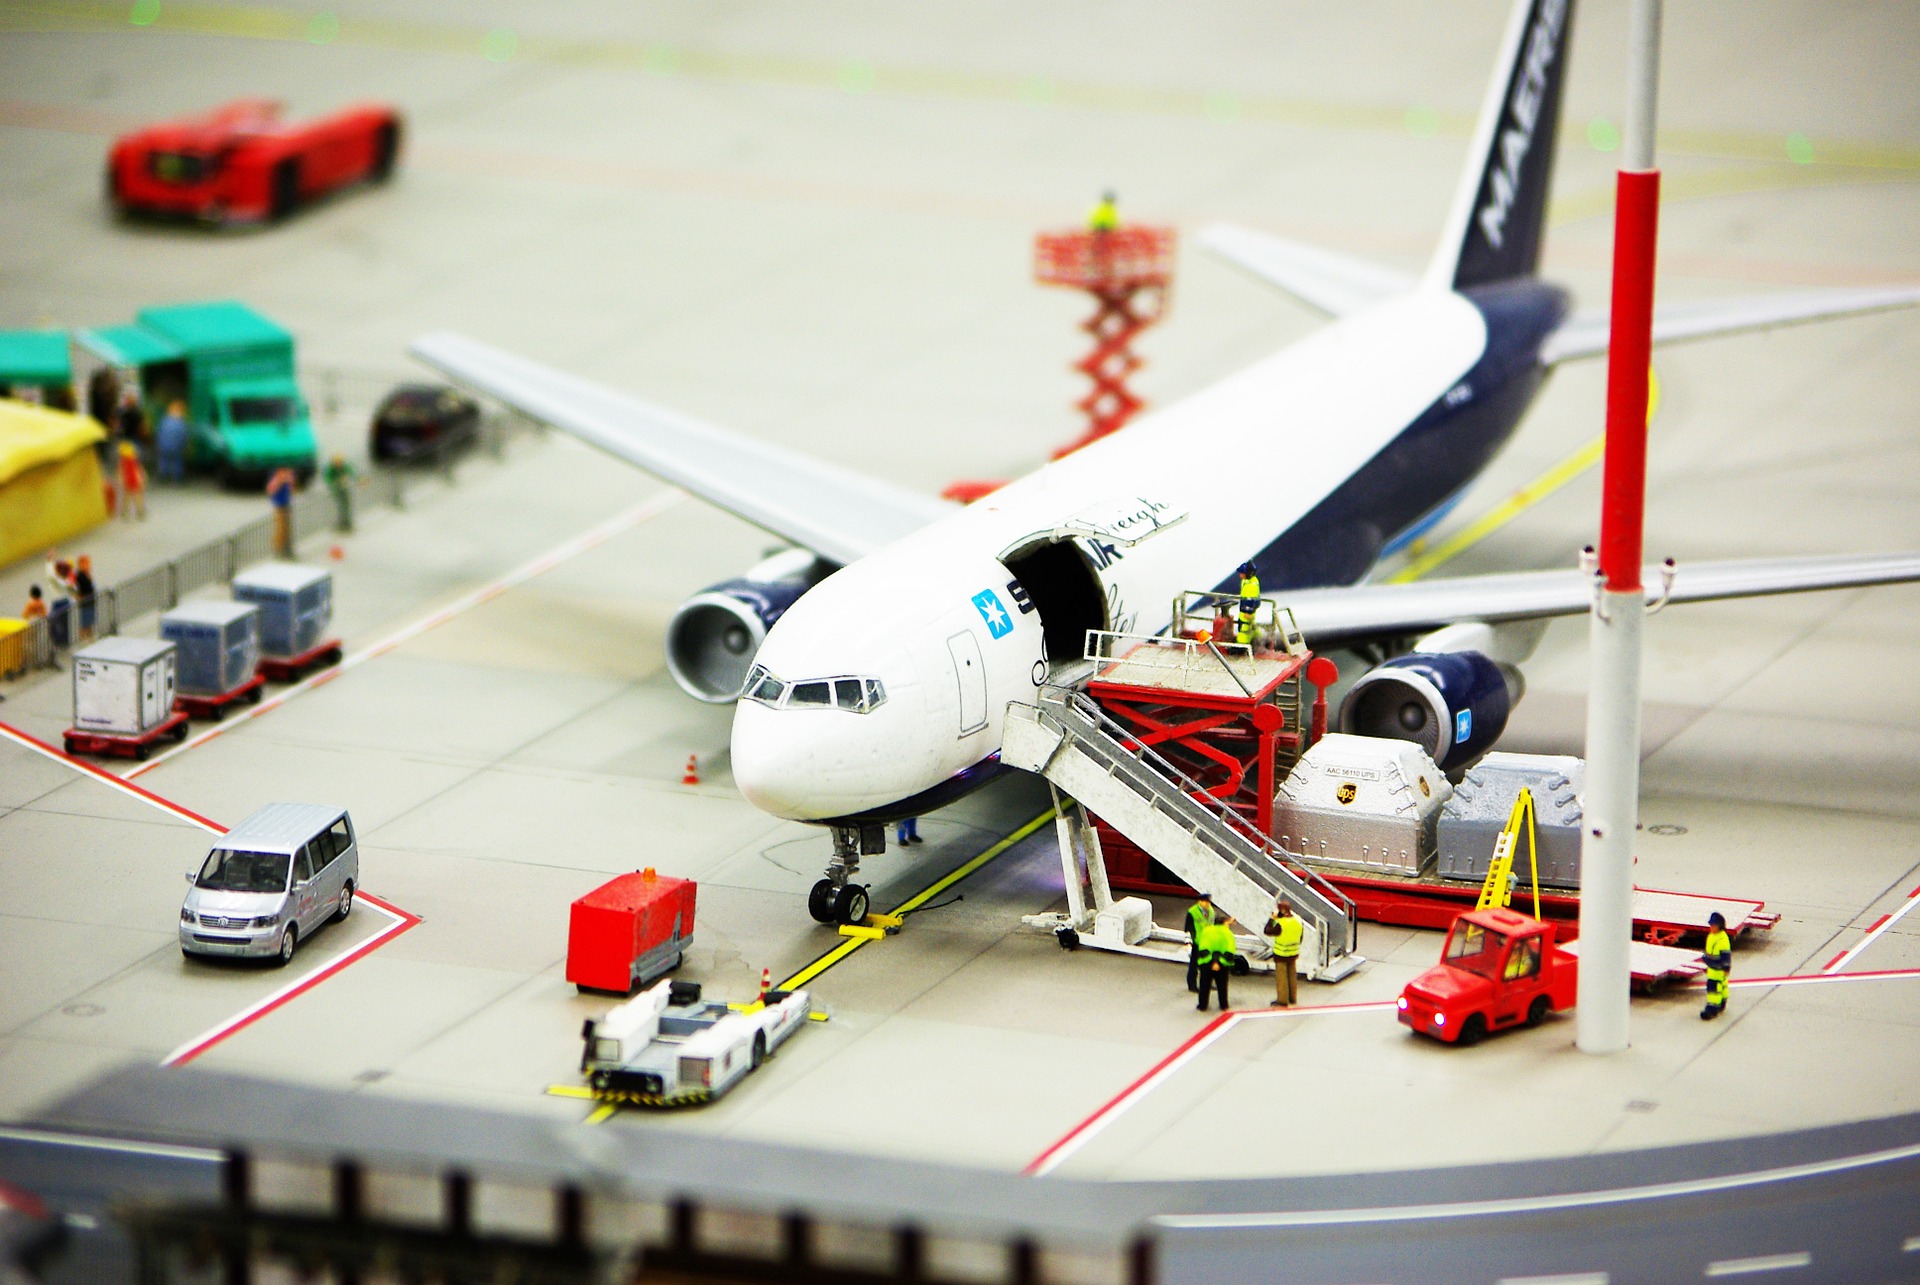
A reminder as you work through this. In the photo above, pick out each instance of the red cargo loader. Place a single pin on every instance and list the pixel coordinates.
(625, 934)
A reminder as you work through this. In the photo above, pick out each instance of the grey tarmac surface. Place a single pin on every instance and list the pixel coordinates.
(812, 223)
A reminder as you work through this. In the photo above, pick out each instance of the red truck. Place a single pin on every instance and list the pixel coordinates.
(630, 931)
(242, 162)
(1500, 969)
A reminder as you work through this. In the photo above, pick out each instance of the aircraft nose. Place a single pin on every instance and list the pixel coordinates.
(774, 768)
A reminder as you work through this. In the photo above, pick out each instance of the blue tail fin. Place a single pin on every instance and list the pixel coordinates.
(1500, 209)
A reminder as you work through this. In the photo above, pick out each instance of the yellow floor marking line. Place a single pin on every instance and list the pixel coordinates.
(914, 902)
(569, 1091)
(601, 1113)
(1585, 457)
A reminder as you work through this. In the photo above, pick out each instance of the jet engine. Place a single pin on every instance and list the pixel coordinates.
(1448, 696)
(712, 638)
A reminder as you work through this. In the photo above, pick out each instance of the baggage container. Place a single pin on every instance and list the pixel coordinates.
(628, 932)
(1476, 814)
(219, 645)
(123, 686)
(1362, 801)
(296, 605)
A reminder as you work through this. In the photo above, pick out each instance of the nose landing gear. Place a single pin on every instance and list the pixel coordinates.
(836, 899)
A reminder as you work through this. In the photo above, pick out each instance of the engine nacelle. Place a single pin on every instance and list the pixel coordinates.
(1452, 704)
(714, 636)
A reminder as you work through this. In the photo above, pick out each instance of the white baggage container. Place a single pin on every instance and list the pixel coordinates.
(123, 686)
(1362, 801)
(1471, 822)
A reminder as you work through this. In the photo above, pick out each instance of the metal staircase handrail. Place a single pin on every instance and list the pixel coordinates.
(1181, 793)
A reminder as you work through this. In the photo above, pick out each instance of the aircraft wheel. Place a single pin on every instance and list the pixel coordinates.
(851, 905)
(820, 901)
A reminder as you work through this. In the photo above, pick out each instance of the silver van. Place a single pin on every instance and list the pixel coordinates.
(271, 881)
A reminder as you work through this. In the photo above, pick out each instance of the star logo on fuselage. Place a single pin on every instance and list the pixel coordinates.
(987, 603)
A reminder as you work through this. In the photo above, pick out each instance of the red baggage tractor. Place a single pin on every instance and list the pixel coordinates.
(626, 933)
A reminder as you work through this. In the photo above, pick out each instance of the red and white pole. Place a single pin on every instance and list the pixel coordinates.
(1620, 604)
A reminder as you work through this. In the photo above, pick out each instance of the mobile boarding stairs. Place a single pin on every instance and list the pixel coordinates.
(1094, 763)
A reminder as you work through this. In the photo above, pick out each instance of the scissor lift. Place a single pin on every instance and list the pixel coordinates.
(1129, 272)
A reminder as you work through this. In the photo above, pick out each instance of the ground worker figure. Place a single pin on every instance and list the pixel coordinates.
(1249, 603)
(1217, 948)
(1286, 932)
(340, 477)
(133, 483)
(280, 496)
(1719, 957)
(1199, 915)
(1104, 217)
(170, 443)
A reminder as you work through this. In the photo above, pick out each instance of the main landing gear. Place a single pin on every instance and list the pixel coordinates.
(836, 899)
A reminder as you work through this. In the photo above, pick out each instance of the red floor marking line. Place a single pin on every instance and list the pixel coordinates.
(402, 921)
(107, 778)
(1833, 963)
(1874, 933)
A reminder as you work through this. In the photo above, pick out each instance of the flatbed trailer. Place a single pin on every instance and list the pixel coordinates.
(1652, 967)
(195, 705)
(109, 745)
(287, 669)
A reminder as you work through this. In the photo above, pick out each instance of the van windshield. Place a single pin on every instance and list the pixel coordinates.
(261, 410)
(228, 870)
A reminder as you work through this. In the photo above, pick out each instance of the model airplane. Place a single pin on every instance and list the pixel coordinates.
(1311, 464)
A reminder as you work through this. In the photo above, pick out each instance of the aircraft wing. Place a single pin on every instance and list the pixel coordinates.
(837, 513)
(1334, 283)
(1585, 333)
(1385, 610)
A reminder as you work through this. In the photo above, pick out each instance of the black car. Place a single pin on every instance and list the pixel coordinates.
(419, 420)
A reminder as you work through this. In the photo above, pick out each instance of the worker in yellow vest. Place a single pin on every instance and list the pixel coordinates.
(1104, 217)
(1217, 950)
(1719, 957)
(1249, 602)
(1285, 931)
(1199, 915)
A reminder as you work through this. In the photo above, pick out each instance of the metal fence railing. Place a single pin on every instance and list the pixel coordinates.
(314, 513)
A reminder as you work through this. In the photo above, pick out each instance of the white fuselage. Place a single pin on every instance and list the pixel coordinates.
(1244, 461)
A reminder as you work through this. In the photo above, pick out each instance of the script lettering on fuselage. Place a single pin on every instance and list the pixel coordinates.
(1523, 106)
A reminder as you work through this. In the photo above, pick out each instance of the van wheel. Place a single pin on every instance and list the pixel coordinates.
(759, 1048)
(346, 902)
(290, 942)
(1473, 1030)
(1537, 1011)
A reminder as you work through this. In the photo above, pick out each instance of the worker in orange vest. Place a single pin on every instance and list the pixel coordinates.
(133, 483)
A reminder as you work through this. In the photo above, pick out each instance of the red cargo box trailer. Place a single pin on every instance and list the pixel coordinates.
(626, 933)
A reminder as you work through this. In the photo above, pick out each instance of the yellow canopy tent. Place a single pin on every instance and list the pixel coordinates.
(50, 486)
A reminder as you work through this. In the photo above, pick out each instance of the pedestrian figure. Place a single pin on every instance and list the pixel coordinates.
(170, 439)
(133, 483)
(1286, 932)
(1719, 957)
(36, 607)
(1199, 915)
(130, 421)
(280, 496)
(1216, 960)
(907, 830)
(83, 595)
(340, 477)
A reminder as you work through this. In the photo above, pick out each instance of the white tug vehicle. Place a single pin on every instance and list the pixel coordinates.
(667, 1047)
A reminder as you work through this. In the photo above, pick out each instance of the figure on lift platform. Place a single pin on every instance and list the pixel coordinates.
(1249, 603)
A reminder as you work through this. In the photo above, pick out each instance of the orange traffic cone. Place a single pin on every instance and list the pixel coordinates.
(693, 771)
(766, 982)
(336, 552)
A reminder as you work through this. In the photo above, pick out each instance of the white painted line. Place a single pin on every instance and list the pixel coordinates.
(1568, 1278)
(193, 1048)
(1537, 1204)
(1764, 1263)
(1873, 935)
(160, 1150)
(546, 562)
(86, 769)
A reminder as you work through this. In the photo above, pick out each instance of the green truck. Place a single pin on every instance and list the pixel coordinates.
(233, 369)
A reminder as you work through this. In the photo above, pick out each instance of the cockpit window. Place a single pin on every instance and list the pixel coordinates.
(855, 694)
(816, 692)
